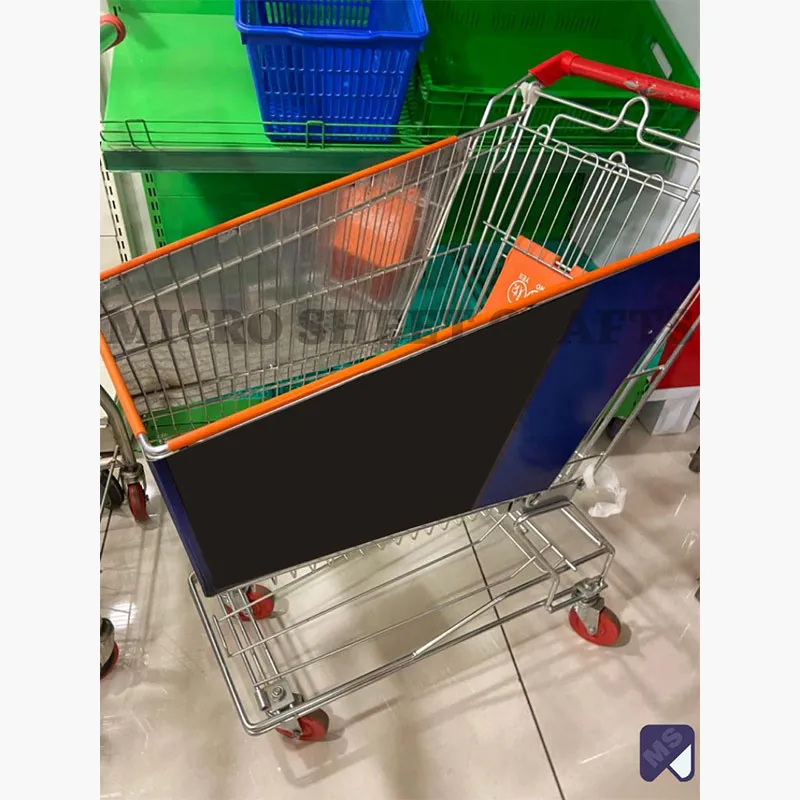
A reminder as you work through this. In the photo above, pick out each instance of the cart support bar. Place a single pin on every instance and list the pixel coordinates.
(567, 64)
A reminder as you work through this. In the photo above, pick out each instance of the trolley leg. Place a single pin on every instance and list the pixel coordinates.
(273, 695)
(112, 495)
(694, 464)
(310, 727)
(131, 471)
(589, 617)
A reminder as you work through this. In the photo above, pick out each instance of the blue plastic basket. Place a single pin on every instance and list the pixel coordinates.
(331, 62)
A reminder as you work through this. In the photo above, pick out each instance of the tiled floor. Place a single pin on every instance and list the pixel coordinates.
(528, 711)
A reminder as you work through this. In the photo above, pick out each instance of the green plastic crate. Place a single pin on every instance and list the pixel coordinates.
(477, 48)
(553, 225)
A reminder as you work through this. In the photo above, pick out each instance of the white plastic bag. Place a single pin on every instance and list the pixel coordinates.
(605, 484)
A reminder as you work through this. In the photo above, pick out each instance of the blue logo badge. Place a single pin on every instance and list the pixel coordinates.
(666, 747)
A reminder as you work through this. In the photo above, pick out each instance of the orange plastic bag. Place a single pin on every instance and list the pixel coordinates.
(377, 237)
(528, 270)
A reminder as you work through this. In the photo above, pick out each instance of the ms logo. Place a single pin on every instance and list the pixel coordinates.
(666, 747)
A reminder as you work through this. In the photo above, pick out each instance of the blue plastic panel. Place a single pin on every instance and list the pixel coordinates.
(484, 418)
(619, 319)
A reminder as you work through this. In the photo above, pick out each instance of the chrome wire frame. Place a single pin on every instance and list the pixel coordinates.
(259, 656)
(112, 465)
(279, 300)
(283, 299)
(472, 201)
(621, 211)
(124, 457)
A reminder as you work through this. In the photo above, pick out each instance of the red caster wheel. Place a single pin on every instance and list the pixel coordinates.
(261, 608)
(111, 663)
(608, 628)
(314, 727)
(138, 502)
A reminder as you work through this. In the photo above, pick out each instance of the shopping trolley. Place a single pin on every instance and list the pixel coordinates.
(121, 475)
(428, 352)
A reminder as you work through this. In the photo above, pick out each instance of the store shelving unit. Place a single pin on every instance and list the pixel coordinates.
(169, 109)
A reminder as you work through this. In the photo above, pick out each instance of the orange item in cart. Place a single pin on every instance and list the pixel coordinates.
(528, 270)
(379, 236)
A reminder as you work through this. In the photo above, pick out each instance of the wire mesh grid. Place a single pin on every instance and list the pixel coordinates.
(385, 587)
(330, 280)
(276, 301)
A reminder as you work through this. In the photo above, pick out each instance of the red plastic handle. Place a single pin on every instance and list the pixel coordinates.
(119, 26)
(569, 64)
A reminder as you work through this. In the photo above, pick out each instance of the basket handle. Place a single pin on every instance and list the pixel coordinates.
(112, 31)
(570, 64)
